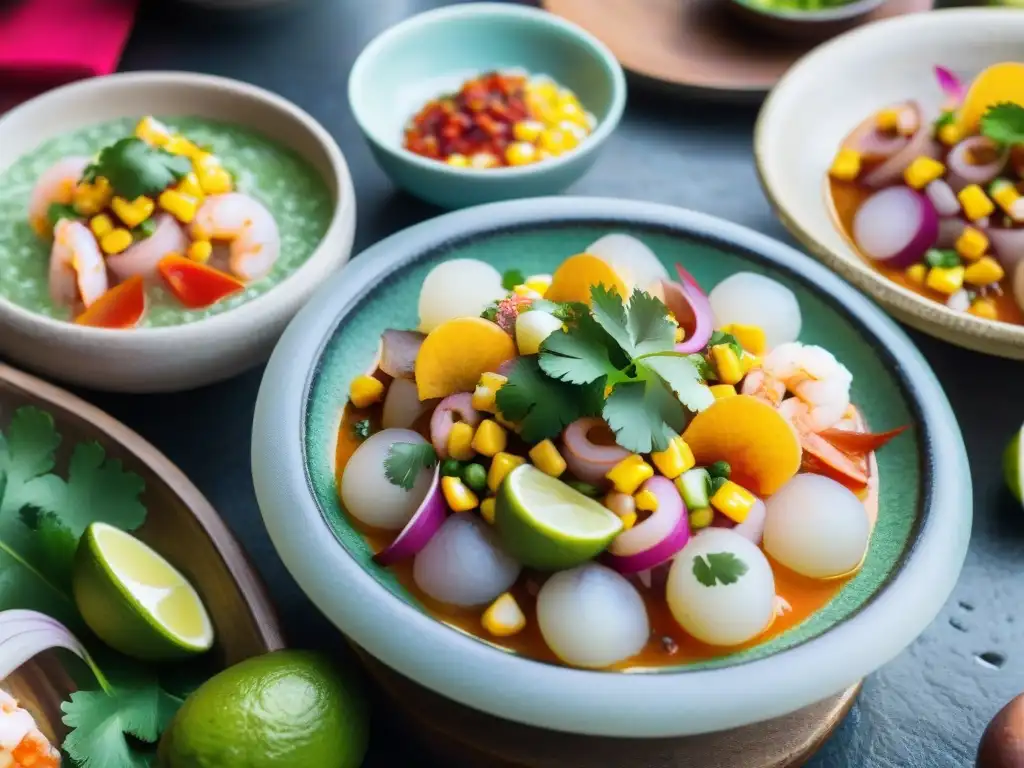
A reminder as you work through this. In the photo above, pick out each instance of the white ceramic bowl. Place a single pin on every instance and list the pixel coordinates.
(193, 354)
(828, 93)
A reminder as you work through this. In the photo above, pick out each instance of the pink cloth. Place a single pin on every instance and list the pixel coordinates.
(45, 43)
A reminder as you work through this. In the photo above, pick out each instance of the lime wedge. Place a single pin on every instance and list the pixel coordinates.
(134, 600)
(548, 525)
(1012, 467)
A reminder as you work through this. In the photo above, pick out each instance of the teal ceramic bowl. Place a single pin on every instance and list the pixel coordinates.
(916, 552)
(435, 52)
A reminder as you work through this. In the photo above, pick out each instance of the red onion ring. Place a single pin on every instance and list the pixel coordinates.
(874, 144)
(692, 311)
(962, 172)
(398, 350)
(658, 538)
(443, 419)
(895, 226)
(421, 527)
(943, 198)
(590, 461)
(1008, 245)
(951, 85)
(891, 171)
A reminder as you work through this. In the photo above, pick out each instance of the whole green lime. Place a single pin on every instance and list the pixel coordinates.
(281, 710)
(1011, 465)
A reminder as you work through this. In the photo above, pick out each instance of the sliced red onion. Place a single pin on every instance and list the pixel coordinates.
(24, 634)
(587, 460)
(891, 171)
(752, 527)
(658, 538)
(959, 301)
(398, 352)
(896, 226)
(963, 172)
(908, 121)
(943, 198)
(423, 524)
(949, 232)
(873, 144)
(692, 311)
(951, 85)
(1018, 284)
(444, 417)
(1008, 246)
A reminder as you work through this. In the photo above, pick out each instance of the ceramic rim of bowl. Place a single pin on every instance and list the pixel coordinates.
(498, 11)
(924, 314)
(250, 311)
(562, 698)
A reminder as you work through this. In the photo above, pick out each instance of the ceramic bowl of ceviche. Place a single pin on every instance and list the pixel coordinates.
(909, 180)
(606, 456)
(160, 229)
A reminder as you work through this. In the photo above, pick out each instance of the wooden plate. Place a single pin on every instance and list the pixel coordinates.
(180, 524)
(697, 45)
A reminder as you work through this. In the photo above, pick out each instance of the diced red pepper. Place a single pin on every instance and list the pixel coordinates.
(196, 285)
(120, 307)
(860, 443)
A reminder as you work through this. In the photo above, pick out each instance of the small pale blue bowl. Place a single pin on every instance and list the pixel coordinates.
(435, 52)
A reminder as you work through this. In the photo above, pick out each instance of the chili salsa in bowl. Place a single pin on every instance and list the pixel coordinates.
(386, 472)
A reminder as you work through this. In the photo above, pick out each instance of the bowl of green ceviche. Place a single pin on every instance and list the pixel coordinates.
(808, 20)
(159, 229)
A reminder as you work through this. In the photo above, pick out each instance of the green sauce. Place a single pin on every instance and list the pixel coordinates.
(285, 183)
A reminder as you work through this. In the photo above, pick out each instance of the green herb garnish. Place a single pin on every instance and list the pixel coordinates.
(58, 211)
(543, 406)
(512, 278)
(491, 313)
(718, 567)
(362, 429)
(942, 258)
(719, 337)
(720, 469)
(144, 230)
(704, 368)
(948, 117)
(136, 168)
(405, 461)
(1004, 124)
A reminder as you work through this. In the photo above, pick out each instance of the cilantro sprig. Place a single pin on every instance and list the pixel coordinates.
(362, 429)
(543, 406)
(718, 568)
(721, 337)
(1004, 124)
(136, 168)
(405, 461)
(511, 278)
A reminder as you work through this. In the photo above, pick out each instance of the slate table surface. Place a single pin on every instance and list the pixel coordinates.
(926, 709)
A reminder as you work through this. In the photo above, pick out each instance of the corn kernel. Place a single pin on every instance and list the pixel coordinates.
(200, 250)
(727, 364)
(675, 459)
(972, 243)
(182, 207)
(483, 399)
(556, 142)
(646, 501)
(749, 362)
(460, 441)
(527, 130)
(915, 274)
(501, 465)
(490, 438)
(721, 391)
(628, 520)
(487, 510)
(547, 459)
(504, 617)
(132, 213)
(750, 337)
(190, 186)
(975, 202)
(179, 145)
(152, 131)
(457, 160)
(944, 280)
(90, 199)
(115, 241)
(734, 501)
(457, 495)
(680, 334)
(365, 390)
(538, 283)
(984, 271)
(887, 119)
(1006, 195)
(923, 171)
(630, 473)
(101, 225)
(215, 180)
(846, 165)
(984, 307)
(504, 422)
(701, 517)
(950, 134)
(543, 89)
(524, 292)
(484, 160)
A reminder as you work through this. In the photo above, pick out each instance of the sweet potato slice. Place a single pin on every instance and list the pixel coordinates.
(757, 441)
(455, 354)
(573, 280)
(999, 84)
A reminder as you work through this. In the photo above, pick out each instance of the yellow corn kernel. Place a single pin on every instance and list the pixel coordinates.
(501, 465)
(628, 520)
(179, 145)
(132, 213)
(365, 390)
(483, 398)
(182, 207)
(975, 202)
(1006, 195)
(484, 160)
(701, 517)
(504, 422)
(734, 501)
(526, 293)
(152, 131)
(943, 280)
(490, 438)
(749, 362)
(721, 391)
(750, 337)
(457, 160)
(101, 225)
(675, 459)
(200, 250)
(190, 186)
(457, 495)
(460, 441)
(547, 459)
(543, 89)
(680, 334)
(887, 119)
(504, 617)
(215, 179)
(527, 130)
(727, 364)
(950, 134)
(487, 509)
(538, 283)
(971, 244)
(984, 271)
(557, 141)
(915, 274)
(984, 307)
(520, 153)
(846, 165)
(115, 241)
(90, 199)
(923, 171)
(646, 501)
(630, 473)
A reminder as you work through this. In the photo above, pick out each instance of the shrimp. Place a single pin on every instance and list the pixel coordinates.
(142, 257)
(810, 373)
(56, 185)
(77, 269)
(247, 225)
(22, 744)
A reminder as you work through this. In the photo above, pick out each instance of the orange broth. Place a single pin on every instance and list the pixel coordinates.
(668, 645)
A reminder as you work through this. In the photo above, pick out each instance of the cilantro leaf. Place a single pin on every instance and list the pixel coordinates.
(704, 368)
(101, 723)
(542, 406)
(362, 429)
(948, 117)
(639, 328)
(512, 278)
(53, 545)
(491, 312)
(135, 168)
(720, 337)
(144, 230)
(405, 461)
(718, 567)
(682, 376)
(610, 314)
(1004, 123)
(579, 355)
(635, 412)
(26, 453)
(566, 311)
(58, 211)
